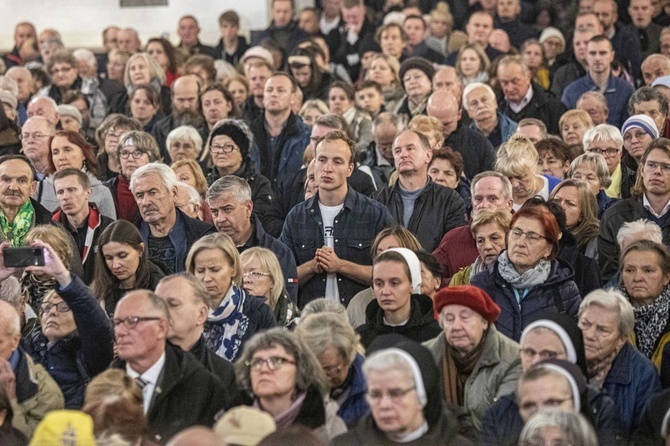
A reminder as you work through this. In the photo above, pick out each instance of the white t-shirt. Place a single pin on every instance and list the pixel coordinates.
(328, 214)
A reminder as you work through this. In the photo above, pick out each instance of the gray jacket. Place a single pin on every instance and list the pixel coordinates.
(100, 195)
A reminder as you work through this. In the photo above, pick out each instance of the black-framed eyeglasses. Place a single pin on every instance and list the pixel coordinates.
(532, 237)
(396, 395)
(136, 154)
(543, 354)
(605, 152)
(222, 148)
(132, 321)
(273, 363)
(61, 307)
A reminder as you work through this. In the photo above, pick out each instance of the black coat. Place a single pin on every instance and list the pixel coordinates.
(477, 152)
(542, 106)
(216, 365)
(261, 190)
(233, 59)
(186, 395)
(586, 270)
(160, 133)
(648, 431)
(420, 327)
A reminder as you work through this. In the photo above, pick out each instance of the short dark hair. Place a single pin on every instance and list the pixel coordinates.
(418, 17)
(231, 17)
(370, 84)
(449, 154)
(205, 62)
(23, 158)
(338, 135)
(600, 38)
(644, 94)
(294, 84)
(71, 171)
(347, 88)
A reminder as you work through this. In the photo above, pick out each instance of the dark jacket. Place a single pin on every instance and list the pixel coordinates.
(291, 143)
(437, 210)
(502, 423)
(216, 365)
(75, 359)
(558, 294)
(542, 106)
(604, 202)
(186, 395)
(626, 45)
(160, 133)
(565, 75)
(628, 175)
(200, 48)
(185, 232)
(648, 432)
(420, 327)
(233, 59)
(587, 274)
(287, 37)
(355, 406)
(342, 52)
(291, 191)
(622, 212)
(115, 292)
(477, 152)
(517, 31)
(423, 50)
(261, 190)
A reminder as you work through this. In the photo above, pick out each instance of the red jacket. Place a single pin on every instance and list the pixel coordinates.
(456, 250)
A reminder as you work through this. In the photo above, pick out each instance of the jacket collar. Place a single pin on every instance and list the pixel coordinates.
(93, 222)
(620, 372)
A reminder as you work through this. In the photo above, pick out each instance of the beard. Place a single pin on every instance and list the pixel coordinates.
(188, 117)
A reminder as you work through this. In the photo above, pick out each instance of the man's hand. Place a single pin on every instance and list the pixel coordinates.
(328, 260)
(7, 378)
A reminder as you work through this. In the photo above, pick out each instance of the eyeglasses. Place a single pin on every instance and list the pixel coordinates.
(651, 166)
(132, 321)
(36, 136)
(273, 363)
(136, 154)
(637, 135)
(544, 354)
(533, 406)
(532, 237)
(110, 135)
(61, 70)
(605, 152)
(254, 275)
(225, 148)
(395, 395)
(61, 307)
(332, 369)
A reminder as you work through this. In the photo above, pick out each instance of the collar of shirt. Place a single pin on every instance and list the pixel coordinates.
(151, 377)
(648, 207)
(518, 106)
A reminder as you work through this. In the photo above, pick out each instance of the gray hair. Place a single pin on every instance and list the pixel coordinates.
(333, 121)
(232, 184)
(199, 291)
(86, 55)
(393, 119)
(612, 300)
(574, 427)
(474, 86)
(224, 69)
(322, 332)
(324, 305)
(384, 360)
(593, 161)
(597, 96)
(507, 185)
(185, 132)
(10, 85)
(536, 122)
(195, 198)
(47, 99)
(631, 229)
(10, 292)
(11, 317)
(164, 171)
(603, 132)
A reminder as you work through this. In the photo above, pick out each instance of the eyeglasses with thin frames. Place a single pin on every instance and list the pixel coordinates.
(254, 275)
(131, 322)
(273, 363)
(651, 166)
(36, 136)
(532, 237)
(395, 395)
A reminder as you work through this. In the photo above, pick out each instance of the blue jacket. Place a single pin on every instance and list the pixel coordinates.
(355, 407)
(354, 229)
(631, 382)
(505, 123)
(604, 202)
(73, 360)
(617, 93)
(286, 160)
(559, 294)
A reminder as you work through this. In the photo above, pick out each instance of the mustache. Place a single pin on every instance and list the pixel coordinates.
(12, 193)
(149, 208)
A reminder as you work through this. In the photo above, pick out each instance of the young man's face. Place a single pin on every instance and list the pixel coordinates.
(370, 100)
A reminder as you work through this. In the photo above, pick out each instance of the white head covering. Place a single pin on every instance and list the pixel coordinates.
(576, 399)
(416, 372)
(560, 332)
(414, 267)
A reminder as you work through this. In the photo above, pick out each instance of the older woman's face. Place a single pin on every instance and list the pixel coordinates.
(552, 47)
(257, 280)
(417, 84)
(380, 72)
(112, 137)
(115, 69)
(63, 75)
(600, 330)
(56, 325)
(540, 344)
(276, 384)
(228, 161)
(429, 283)
(589, 176)
(139, 71)
(490, 240)
(546, 391)
(443, 172)
(572, 131)
(129, 162)
(185, 175)
(335, 365)
(549, 164)
(387, 242)
(610, 150)
(212, 267)
(391, 285)
(463, 327)
(568, 198)
(393, 401)
(643, 276)
(183, 149)
(527, 245)
(66, 154)
(636, 141)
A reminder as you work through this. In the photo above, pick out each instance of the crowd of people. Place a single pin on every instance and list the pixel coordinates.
(375, 223)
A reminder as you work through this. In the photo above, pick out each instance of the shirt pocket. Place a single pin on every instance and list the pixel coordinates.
(305, 250)
(358, 251)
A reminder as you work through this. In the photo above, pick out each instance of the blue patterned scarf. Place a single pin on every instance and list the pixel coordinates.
(227, 325)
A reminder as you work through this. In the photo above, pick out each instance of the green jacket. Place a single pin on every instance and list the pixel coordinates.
(496, 373)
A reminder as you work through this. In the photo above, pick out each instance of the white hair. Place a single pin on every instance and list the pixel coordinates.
(184, 132)
(86, 55)
(195, 198)
(10, 85)
(642, 226)
(474, 85)
(164, 171)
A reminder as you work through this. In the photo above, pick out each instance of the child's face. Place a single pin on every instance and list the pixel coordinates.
(369, 100)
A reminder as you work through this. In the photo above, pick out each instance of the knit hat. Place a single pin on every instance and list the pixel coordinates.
(64, 427)
(549, 32)
(6, 97)
(260, 53)
(418, 63)
(71, 111)
(469, 296)
(245, 426)
(414, 267)
(643, 122)
(235, 129)
(663, 81)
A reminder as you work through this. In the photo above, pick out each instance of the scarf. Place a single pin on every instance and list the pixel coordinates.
(17, 231)
(477, 267)
(650, 320)
(227, 325)
(417, 109)
(35, 289)
(457, 369)
(288, 417)
(533, 277)
(598, 370)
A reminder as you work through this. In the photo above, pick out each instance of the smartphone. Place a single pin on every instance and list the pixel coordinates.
(23, 256)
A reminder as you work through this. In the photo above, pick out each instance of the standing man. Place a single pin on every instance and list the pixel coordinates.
(22, 32)
(24, 80)
(624, 43)
(231, 46)
(189, 32)
(417, 30)
(127, 39)
(331, 233)
(599, 77)
(648, 33)
(575, 68)
(109, 43)
(508, 19)
(425, 208)
(257, 73)
(80, 218)
(478, 29)
(283, 29)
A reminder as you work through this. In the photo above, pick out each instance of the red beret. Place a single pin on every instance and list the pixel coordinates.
(469, 296)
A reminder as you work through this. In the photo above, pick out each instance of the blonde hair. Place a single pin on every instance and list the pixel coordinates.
(113, 383)
(217, 241)
(427, 125)
(200, 180)
(393, 64)
(517, 157)
(270, 264)
(484, 61)
(322, 331)
(579, 114)
(57, 238)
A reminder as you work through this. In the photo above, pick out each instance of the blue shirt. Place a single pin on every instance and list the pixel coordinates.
(617, 93)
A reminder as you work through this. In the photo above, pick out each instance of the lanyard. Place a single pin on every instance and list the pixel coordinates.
(519, 297)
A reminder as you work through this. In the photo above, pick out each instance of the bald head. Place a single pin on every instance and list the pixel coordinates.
(444, 106)
(127, 39)
(185, 91)
(655, 66)
(46, 107)
(446, 78)
(198, 435)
